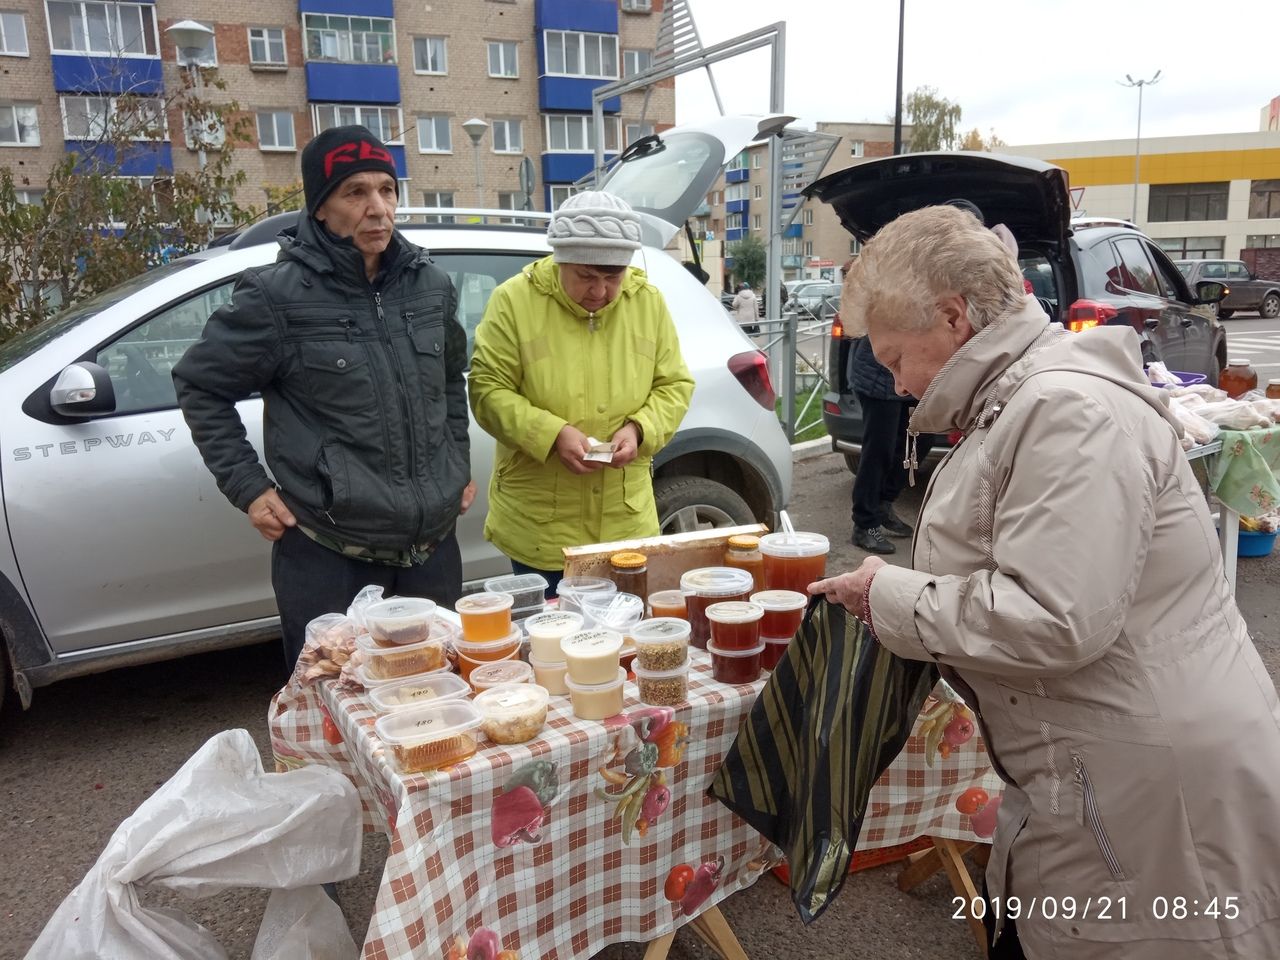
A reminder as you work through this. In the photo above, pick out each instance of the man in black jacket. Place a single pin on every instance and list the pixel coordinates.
(352, 339)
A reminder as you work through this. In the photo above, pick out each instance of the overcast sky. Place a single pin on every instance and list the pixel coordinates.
(1037, 71)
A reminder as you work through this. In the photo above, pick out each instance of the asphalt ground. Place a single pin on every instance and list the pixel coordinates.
(91, 750)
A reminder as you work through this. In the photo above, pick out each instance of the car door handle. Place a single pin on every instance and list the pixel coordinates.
(1151, 322)
(1187, 321)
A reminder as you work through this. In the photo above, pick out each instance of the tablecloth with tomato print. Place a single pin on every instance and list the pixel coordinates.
(595, 832)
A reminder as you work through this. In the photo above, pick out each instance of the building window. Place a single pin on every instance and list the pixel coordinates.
(576, 134)
(266, 47)
(736, 191)
(757, 192)
(855, 247)
(716, 197)
(638, 131)
(502, 59)
(275, 130)
(755, 221)
(636, 61)
(436, 199)
(32, 198)
(637, 6)
(808, 216)
(1192, 248)
(510, 200)
(113, 29)
(433, 134)
(808, 248)
(755, 160)
(19, 125)
(1187, 201)
(508, 136)
(559, 194)
(349, 39)
(592, 55)
(1264, 200)
(429, 55)
(13, 34)
(739, 162)
(89, 118)
(857, 148)
(1256, 240)
(733, 221)
(385, 123)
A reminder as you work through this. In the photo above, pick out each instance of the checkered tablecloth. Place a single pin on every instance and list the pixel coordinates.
(523, 847)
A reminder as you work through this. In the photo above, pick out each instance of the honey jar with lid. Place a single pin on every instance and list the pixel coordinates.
(1238, 379)
(630, 572)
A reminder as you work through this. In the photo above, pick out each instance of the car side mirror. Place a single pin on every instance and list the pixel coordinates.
(1210, 291)
(83, 389)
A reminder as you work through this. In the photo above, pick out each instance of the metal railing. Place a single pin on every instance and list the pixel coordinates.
(809, 358)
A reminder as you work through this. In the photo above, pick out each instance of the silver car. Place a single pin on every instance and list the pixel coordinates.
(118, 547)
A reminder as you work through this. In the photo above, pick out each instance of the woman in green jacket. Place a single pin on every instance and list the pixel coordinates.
(579, 345)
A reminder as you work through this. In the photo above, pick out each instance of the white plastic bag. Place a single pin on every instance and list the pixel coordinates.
(368, 595)
(219, 822)
(303, 925)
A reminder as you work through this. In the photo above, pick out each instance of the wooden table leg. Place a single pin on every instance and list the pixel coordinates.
(658, 949)
(715, 932)
(952, 861)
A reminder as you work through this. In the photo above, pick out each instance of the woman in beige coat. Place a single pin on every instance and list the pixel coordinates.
(1067, 581)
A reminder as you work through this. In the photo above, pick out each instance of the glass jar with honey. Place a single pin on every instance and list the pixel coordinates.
(1273, 390)
(743, 552)
(1239, 378)
(630, 572)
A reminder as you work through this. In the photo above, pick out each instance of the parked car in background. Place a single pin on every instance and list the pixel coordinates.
(117, 548)
(1245, 291)
(818, 301)
(1085, 273)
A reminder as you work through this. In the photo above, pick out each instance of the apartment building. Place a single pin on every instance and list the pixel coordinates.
(815, 245)
(412, 73)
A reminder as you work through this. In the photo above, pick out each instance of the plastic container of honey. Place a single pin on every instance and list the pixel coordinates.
(735, 625)
(792, 561)
(592, 655)
(430, 737)
(735, 666)
(775, 648)
(550, 676)
(705, 586)
(595, 701)
(1273, 389)
(472, 655)
(485, 616)
(668, 603)
(400, 620)
(500, 672)
(546, 630)
(783, 611)
(570, 590)
(512, 712)
(403, 660)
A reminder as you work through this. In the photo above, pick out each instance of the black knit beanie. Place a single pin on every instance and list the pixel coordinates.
(336, 154)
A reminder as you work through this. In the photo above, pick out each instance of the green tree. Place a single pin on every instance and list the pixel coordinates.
(934, 120)
(285, 198)
(973, 140)
(97, 225)
(749, 261)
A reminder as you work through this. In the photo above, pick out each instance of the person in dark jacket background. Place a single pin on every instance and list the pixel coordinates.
(352, 339)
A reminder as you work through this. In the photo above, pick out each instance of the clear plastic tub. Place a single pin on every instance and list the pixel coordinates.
(783, 611)
(592, 655)
(485, 616)
(792, 561)
(400, 620)
(471, 655)
(570, 590)
(521, 614)
(512, 712)
(775, 648)
(663, 688)
(735, 625)
(546, 630)
(668, 603)
(595, 701)
(618, 612)
(707, 585)
(499, 673)
(390, 663)
(430, 737)
(735, 666)
(526, 589)
(661, 643)
(431, 688)
(551, 676)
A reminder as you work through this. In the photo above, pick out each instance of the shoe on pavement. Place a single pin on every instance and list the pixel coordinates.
(872, 539)
(895, 527)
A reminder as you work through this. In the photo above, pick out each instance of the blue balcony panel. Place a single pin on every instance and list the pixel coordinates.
(737, 206)
(589, 16)
(795, 230)
(137, 160)
(75, 74)
(354, 8)
(731, 236)
(737, 176)
(567, 167)
(571, 93)
(397, 154)
(353, 82)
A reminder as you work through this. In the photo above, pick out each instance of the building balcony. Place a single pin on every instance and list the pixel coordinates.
(352, 82)
(737, 206)
(143, 76)
(795, 230)
(559, 94)
(586, 16)
(741, 175)
(142, 159)
(730, 236)
(792, 261)
(353, 8)
(568, 167)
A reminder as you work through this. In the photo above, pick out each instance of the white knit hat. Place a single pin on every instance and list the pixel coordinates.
(594, 228)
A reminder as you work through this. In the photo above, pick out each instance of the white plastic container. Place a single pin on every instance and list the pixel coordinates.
(551, 676)
(663, 688)
(430, 737)
(390, 663)
(662, 643)
(546, 630)
(416, 691)
(595, 701)
(618, 611)
(592, 655)
(500, 673)
(570, 590)
(512, 712)
(526, 589)
(400, 620)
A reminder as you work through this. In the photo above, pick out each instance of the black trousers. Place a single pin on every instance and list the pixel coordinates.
(310, 580)
(881, 476)
(1008, 947)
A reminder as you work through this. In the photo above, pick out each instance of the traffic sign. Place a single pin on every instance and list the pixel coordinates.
(1077, 194)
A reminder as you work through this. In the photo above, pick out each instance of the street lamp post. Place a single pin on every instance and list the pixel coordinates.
(475, 128)
(897, 110)
(192, 40)
(1137, 142)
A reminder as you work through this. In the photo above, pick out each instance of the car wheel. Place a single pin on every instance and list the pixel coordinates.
(1270, 306)
(696, 503)
(851, 460)
(1224, 314)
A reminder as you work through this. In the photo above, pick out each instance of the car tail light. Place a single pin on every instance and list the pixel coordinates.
(837, 326)
(954, 437)
(832, 408)
(1087, 314)
(752, 371)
